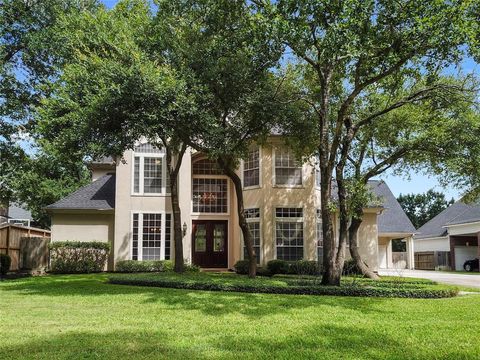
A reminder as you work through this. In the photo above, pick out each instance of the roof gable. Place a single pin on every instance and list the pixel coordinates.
(393, 219)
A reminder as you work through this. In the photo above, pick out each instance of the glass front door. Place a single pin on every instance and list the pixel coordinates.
(210, 243)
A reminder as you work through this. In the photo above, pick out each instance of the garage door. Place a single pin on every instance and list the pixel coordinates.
(464, 253)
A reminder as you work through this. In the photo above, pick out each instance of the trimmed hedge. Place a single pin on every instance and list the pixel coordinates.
(278, 267)
(77, 257)
(349, 290)
(305, 267)
(134, 266)
(241, 267)
(5, 262)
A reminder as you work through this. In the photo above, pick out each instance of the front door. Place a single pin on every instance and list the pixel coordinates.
(210, 243)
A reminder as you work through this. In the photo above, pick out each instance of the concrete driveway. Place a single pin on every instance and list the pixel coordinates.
(470, 280)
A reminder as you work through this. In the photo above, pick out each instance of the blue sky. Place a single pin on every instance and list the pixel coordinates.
(415, 183)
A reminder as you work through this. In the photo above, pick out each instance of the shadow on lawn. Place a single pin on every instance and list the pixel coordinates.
(208, 302)
(330, 341)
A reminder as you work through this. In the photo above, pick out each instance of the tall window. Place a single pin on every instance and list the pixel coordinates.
(319, 236)
(150, 236)
(251, 169)
(288, 170)
(289, 233)
(149, 170)
(253, 220)
(209, 188)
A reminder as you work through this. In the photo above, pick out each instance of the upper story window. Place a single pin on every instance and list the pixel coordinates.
(251, 169)
(288, 170)
(206, 167)
(149, 171)
(209, 188)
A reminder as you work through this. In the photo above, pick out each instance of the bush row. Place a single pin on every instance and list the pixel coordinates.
(274, 267)
(5, 262)
(424, 293)
(75, 257)
(134, 266)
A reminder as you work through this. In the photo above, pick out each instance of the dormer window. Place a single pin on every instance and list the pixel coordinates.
(149, 171)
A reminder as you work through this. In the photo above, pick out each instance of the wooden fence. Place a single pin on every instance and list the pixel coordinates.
(27, 246)
(431, 260)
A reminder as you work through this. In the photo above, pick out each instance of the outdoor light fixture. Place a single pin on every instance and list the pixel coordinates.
(184, 229)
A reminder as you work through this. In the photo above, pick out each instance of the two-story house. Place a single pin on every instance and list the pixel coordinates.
(128, 205)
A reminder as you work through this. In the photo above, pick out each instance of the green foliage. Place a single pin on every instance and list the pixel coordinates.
(305, 267)
(350, 268)
(134, 266)
(5, 262)
(241, 267)
(421, 208)
(293, 288)
(278, 267)
(29, 57)
(68, 257)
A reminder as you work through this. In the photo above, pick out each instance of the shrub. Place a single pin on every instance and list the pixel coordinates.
(191, 268)
(263, 271)
(241, 267)
(5, 262)
(278, 267)
(305, 267)
(135, 266)
(252, 287)
(69, 257)
(350, 268)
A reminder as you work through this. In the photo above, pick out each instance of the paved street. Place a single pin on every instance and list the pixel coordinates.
(438, 276)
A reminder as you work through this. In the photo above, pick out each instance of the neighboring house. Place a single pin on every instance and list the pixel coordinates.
(451, 235)
(15, 214)
(128, 205)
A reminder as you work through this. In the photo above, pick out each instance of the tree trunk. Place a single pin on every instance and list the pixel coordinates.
(247, 237)
(353, 237)
(331, 275)
(173, 171)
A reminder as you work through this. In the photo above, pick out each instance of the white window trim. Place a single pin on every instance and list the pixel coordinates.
(274, 177)
(288, 219)
(260, 172)
(260, 228)
(199, 214)
(140, 232)
(142, 156)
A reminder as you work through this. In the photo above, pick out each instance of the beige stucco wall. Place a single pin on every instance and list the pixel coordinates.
(92, 226)
(368, 240)
(267, 197)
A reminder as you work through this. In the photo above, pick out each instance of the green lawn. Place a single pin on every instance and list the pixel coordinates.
(82, 317)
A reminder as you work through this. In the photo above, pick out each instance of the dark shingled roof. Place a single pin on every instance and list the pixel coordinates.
(393, 219)
(458, 213)
(98, 195)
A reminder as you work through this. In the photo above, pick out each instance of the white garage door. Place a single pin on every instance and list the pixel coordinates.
(464, 253)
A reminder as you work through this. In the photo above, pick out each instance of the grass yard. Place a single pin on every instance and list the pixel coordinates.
(82, 317)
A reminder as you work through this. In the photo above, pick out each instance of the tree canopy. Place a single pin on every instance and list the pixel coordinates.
(421, 208)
